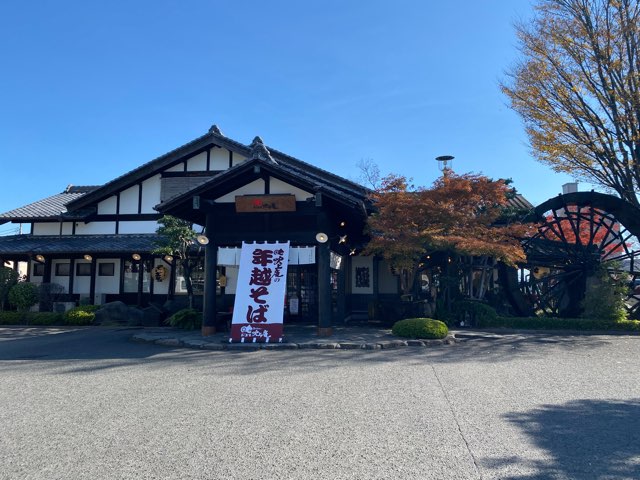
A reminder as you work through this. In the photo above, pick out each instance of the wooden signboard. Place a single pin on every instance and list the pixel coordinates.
(265, 203)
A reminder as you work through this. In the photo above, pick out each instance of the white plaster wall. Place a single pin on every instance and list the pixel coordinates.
(361, 262)
(197, 163)
(237, 158)
(138, 227)
(232, 280)
(161, 288)
(81, 285)
(60, 280)
(179, 167)
(151, 194)
(49, 228)
(95, 228)
(67, 228)
(108, 206)
(107, 284)
(387, 283)
(278, 186)
(129, 200)
(219, 159)
(254, 188)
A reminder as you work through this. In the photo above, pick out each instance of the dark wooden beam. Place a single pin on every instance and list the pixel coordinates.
(72, 274)
(210, 313)
(140, 198)
(92, 281)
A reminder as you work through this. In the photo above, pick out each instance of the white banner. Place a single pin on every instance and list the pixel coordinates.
(262, 284)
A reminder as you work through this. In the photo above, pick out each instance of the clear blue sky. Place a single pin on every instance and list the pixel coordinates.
(90, 90)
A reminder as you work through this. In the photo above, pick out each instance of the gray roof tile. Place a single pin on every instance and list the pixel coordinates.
(74, 244)
(50, 207)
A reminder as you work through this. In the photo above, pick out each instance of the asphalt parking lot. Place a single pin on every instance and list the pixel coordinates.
(88, 403)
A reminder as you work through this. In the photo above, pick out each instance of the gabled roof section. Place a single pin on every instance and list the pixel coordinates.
(50, 208)
(214, 136)
(292, 170)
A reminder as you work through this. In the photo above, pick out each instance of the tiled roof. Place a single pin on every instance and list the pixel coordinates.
(50, 207)
(74, 244)
(519, 202)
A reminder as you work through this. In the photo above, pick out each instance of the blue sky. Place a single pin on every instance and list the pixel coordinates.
(90, 90)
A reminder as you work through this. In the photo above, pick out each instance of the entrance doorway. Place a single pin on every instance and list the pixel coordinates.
(302, 294)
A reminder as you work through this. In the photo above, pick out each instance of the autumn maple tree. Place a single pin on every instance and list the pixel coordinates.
(458, 214)
(577, 88)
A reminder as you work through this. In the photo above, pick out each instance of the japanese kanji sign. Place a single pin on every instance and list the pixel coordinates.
(260, 293)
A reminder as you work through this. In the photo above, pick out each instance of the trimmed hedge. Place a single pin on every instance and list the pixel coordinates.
(551, 323)
(31, 318)
(475, 311)
(186, 319)
(82, 315)
(420, 328)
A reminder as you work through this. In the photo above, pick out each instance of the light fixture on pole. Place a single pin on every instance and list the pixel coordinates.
(445, 163)
(87, 257)
(322, 237)
(202, 240)
(136, 257)
(40, 258)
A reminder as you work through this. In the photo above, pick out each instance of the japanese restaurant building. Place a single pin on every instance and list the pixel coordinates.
(97, 243)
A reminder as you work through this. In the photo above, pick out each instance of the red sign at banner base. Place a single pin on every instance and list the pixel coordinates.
(252, 333)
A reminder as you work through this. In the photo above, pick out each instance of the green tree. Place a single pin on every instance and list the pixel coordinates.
(8, 278)
(177, 239)
(577, 88)
(24, 296)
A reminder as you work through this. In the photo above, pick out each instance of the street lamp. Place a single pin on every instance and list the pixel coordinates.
(444, 164)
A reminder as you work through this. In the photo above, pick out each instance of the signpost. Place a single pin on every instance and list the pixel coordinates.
(262, 280)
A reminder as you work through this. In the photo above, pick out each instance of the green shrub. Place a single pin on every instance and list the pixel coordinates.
(606, 294)
(24, 295)
(44, 318)
(420, 328)
(552, 323)
(30, 318)
(8, 278)
(82, 315)
(186, 319)
(12, 318)
(474, 312)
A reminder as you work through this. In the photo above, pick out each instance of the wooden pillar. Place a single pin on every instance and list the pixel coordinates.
(172, 279)
(92, 282)
(324, 291)
(342, 290)
(209, 310)
(72, 271)
(140, 281)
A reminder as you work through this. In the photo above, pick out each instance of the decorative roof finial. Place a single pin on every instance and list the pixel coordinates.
(215, 129)
(259, 151)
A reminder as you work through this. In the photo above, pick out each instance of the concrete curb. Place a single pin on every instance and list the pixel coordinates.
(169, 340)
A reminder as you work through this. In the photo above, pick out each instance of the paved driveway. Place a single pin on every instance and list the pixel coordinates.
(87, 403)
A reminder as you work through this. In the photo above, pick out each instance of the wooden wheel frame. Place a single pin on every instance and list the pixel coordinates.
(578, 233)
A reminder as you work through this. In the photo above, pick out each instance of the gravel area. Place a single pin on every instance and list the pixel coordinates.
(88, 403)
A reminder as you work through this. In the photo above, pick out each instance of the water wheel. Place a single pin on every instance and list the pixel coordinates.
(579, 234)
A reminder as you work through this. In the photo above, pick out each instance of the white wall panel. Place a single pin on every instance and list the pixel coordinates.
(138, 227)
(49, 228)
(67, 228)
(254, 188)
(63, 281)
(81, 285)
(219, 159)
(107, 284)
(278, 186)
(237, 158)
(387, 283)
(95, 228)
(179, 167)
(108, 206)
(150, 194)
(129, 200)
(197, 163)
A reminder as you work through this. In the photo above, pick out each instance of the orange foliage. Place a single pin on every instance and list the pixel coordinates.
(458, 214)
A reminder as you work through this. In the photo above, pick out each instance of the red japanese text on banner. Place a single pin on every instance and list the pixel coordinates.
(262, 283)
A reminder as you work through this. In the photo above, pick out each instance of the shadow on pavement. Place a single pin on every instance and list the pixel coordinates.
(584, 439)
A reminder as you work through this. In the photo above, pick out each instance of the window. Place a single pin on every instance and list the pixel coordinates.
(106, 269)
(38, 269)
(83, 270)
(63, 269)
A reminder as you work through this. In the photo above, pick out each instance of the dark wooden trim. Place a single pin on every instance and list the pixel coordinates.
(210, 173)
(61, 223)
(92, 282)
(140, 280)
(48, 263)
(121, 282)
(127, 217)
(209, 310)
(172, 279)
(139, 198)
(118, 203)
(73, 227)
(267, 185)
(230, 158)
(29, 268)
(72, 275)
(152, 277)
(208, 159)
(184, 165)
